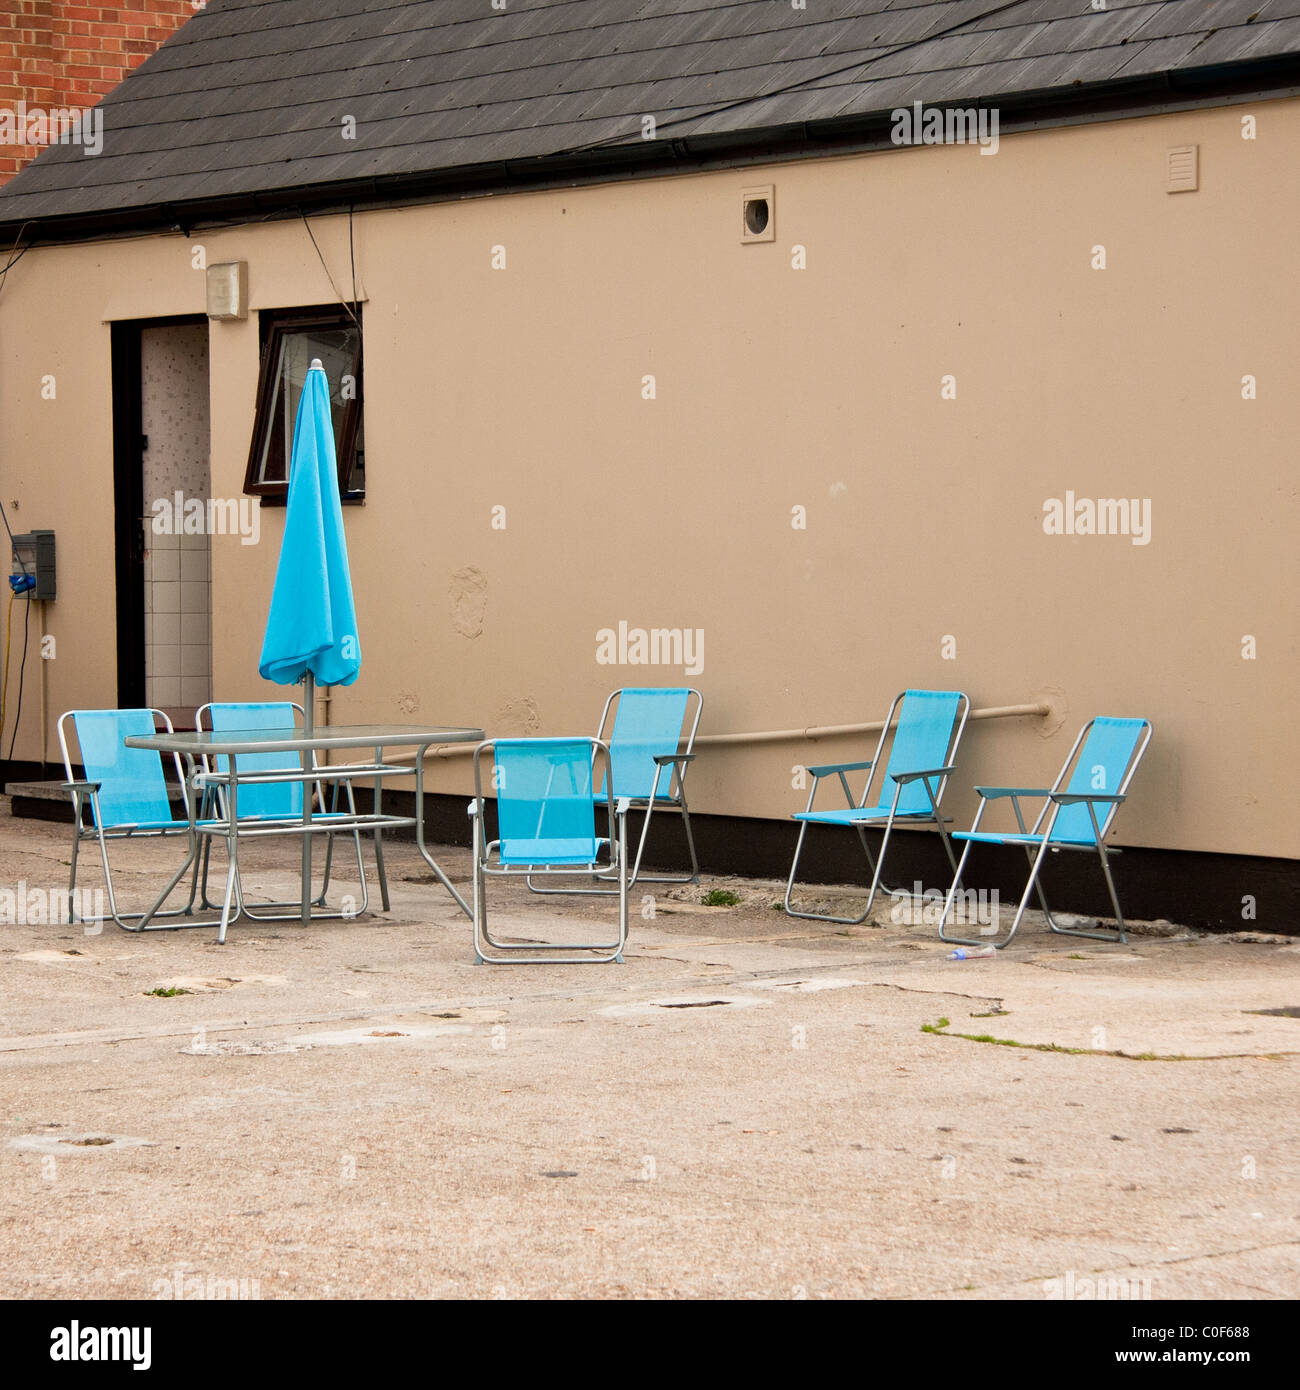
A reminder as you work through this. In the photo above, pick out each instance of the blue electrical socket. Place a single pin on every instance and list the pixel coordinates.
(21, 583)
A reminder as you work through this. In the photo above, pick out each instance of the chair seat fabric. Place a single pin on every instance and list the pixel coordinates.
(646, 722)
(156, 825)
(663, 796)
(562, 851)
(860, 815)
(267, 800)
(995, 837)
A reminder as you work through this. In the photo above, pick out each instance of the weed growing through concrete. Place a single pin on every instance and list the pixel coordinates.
(940, 1028)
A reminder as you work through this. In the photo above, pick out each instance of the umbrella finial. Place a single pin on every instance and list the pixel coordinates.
(317, 365)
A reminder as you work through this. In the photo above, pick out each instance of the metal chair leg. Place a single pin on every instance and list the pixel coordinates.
(690, 843)
(952, 894)
(826, 917)
(638, 877)
(623, 884)
(329, 846)
(1119, 936)
(1034, 870)
(608, 875)
(76, 845)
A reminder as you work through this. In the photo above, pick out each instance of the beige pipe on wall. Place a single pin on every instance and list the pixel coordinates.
(813, 733)
(841, 730)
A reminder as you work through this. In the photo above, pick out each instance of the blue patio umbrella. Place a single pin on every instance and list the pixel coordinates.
(311, 630)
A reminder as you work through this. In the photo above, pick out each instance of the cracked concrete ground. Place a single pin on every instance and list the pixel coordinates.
(748, 1107)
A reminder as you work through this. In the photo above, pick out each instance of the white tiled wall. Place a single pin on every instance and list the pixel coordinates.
(178, 568)
(178, 651)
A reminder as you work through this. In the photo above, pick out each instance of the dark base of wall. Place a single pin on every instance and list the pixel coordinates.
(20, 771)
(1205, 891)
(1212, 892)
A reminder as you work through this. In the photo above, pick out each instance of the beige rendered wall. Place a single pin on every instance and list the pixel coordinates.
(775, 388)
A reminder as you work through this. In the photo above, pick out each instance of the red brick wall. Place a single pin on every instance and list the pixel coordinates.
(61, 53)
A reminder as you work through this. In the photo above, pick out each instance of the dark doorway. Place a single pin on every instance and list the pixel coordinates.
(160, 374)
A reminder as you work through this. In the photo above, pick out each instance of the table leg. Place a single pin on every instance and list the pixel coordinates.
(148, 917)
(190, 858)
(379, 834)
(306, 838)
(232, 851)
(419, 834)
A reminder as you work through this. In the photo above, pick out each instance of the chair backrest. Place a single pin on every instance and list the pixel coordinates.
(930, 723)
(648, 722)
(546, 808)
(1104, 757)
(133, 790)
(274, 800)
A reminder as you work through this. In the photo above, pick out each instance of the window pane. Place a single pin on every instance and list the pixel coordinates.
(337, 349)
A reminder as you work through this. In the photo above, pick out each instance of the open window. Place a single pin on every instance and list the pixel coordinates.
(290, 339)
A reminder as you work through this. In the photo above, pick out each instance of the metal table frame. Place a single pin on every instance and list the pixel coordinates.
(206, 747)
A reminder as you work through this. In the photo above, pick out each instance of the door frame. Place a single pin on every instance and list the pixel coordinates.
(129, 540)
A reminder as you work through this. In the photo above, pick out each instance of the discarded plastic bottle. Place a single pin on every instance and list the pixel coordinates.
(974, 953)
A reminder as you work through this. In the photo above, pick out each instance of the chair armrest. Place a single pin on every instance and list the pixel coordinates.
(904, 777)
(825, 769)
(663, 759)
(82, 786)
(995, 793)
(1073, 798)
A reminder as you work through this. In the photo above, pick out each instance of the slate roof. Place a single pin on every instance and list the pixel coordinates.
(248, 99)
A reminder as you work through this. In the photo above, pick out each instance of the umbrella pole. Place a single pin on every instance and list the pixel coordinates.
(309, 727)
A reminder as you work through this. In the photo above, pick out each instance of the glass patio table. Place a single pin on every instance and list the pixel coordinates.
(207, 747)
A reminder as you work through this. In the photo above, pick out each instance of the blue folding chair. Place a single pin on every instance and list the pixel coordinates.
(1099, 767)
(272, 801)
(930, 725)
(651, 741)
(128, 797)
(547, 827)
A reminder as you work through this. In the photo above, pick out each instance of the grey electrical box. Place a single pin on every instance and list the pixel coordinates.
(32, 572)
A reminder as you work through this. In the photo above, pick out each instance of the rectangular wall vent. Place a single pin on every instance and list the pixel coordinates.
(1181, 169)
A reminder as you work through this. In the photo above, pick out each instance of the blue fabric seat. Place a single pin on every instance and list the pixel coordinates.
(650, 734)
(547, 813)
(265, 802)
(994, 837)
(127, 792)
(921, 756)
(1077, 812)
(261, 801)
(855, 815)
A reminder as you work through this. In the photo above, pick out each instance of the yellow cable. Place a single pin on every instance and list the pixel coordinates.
(9, 628)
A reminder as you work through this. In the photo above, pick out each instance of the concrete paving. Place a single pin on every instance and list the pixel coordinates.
(751, 1106)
